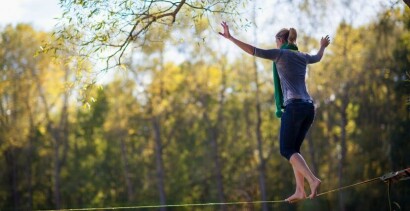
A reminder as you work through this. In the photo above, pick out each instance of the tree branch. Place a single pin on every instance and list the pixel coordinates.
(116, 28)
(132, 35)
(407, 2)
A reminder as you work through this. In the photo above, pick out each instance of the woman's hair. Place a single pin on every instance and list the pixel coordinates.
(289, 35)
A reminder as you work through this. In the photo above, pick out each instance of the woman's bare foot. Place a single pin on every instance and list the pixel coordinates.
(297, 196)
(314, 187)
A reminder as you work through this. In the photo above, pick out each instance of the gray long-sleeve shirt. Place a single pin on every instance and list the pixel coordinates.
(291, 67)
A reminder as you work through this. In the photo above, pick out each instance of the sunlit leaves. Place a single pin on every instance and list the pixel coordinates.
(112, 25)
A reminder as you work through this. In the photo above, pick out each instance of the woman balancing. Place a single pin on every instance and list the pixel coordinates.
(299, 110)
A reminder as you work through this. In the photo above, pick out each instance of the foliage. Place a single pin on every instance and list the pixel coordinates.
(114, 25)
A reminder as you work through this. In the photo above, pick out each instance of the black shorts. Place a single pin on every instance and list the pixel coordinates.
(295, 123)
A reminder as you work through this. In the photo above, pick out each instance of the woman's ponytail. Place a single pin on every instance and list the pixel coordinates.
(292, 36)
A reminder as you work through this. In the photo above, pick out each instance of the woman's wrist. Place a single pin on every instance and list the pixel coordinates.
(322, 47)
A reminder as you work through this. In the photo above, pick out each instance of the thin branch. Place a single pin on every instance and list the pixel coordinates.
(131, 36)
(407, 2)
(129, 24)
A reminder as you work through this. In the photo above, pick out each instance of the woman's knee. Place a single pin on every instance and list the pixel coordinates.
(286, 153)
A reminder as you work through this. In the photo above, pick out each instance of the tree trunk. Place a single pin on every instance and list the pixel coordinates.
(218, 167)
(159, 146)
(215, 138)
(342, 155)
(76, 162)
(213, 135)
(262, 169)
(56, 171)
(159, 161)
(343, 114)
(30, 149)
(262, 160)
(60, 138)
(11, 157)
(130, 192)
(29, 171)
(12, 173)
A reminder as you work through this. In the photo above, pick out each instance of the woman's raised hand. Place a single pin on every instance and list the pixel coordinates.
(325, 41)
(226, 33)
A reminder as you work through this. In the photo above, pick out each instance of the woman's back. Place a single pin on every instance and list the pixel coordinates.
(291, 67)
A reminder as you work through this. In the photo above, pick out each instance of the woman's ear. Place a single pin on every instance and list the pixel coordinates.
(282, 40)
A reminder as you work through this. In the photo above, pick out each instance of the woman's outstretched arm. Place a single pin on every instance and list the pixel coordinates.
(271, 54)
(246, 47)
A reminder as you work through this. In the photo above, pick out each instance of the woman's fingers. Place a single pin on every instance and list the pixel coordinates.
(324, 41)
(326, 38)
(224, 26)
(226, 30)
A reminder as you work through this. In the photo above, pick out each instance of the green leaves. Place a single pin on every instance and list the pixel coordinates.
(122, 23)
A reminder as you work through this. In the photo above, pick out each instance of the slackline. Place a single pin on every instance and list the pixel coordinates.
(400, 175)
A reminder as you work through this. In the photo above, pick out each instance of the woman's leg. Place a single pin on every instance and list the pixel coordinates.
(299, 164)
(290, 126)
(300, 187)
(295, 123)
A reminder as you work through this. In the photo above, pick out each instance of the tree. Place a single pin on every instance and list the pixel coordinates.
(16, 105)
(113, 26)
(28, 94)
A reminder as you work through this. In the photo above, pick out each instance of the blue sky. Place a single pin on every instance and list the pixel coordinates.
(39, 13)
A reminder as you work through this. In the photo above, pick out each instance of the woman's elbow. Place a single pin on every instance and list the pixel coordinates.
(317, 58)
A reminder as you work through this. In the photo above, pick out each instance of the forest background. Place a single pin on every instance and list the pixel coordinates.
(176, 114)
